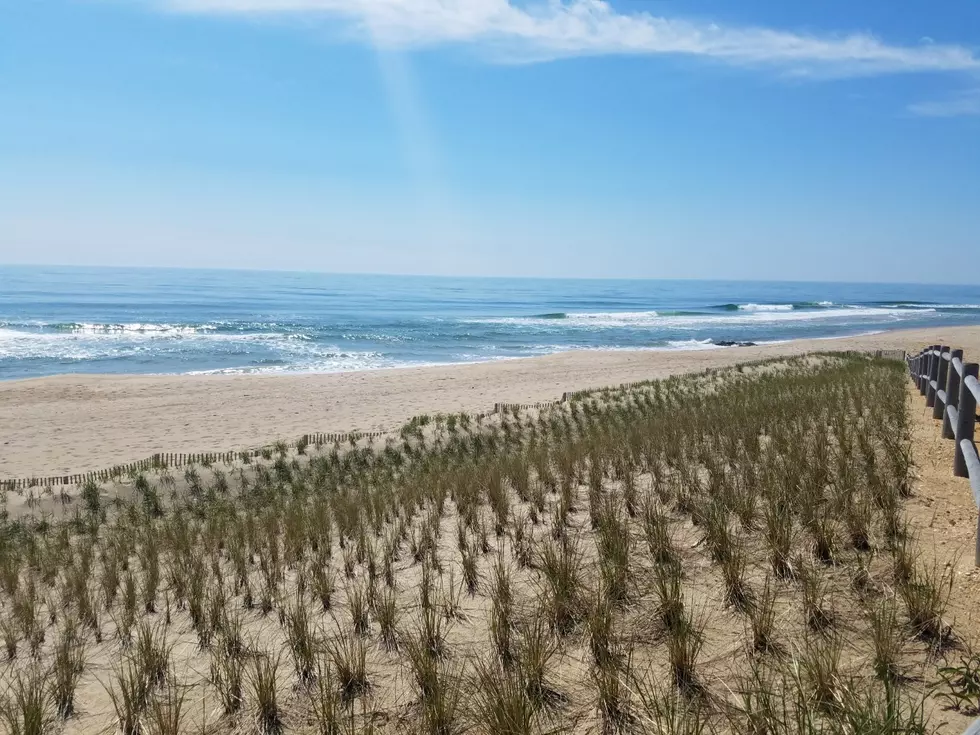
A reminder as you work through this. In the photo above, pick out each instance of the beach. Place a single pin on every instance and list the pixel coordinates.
(433, 368)
(78, 423)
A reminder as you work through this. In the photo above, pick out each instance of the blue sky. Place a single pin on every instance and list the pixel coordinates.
(766, 139)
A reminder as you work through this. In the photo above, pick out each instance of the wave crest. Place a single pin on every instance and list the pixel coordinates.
(766, 307)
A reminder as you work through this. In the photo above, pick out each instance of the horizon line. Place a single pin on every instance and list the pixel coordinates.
(478, 276)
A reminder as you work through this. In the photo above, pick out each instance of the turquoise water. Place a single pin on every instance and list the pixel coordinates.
(123, 320)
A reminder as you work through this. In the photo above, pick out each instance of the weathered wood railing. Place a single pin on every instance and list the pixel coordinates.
(952, 391)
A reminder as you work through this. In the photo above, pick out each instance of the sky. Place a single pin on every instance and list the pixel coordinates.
(758, 139)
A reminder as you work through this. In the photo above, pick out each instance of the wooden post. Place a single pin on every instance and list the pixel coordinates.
(967, 408)
(952, 393)
(976, 551)
(933, 375)
(927, 373)
(924, 371)
(940, 406)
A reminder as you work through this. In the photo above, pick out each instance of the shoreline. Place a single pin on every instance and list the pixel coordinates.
(75, 423)
(226, 372)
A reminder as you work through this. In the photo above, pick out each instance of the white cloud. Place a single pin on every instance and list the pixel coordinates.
(958, 105)
(561, 28)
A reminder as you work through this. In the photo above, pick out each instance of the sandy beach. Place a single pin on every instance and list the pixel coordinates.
(77, 423)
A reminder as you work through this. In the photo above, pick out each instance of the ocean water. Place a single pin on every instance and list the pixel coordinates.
(129, 320)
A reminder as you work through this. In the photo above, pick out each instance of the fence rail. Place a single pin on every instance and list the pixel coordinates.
(952, 391)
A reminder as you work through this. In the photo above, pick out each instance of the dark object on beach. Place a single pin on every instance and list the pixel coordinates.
(733, 343)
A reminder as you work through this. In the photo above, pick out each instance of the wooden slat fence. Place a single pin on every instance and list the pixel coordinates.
(504, 407)
(951, 389)
(175, 459)
(890, 354)
(320, 438)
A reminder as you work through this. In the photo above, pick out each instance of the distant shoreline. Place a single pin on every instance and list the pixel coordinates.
(77, 423)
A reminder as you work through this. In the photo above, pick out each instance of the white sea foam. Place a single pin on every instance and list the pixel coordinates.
(692, 344)
(583, 319)
(765, 307)
(90, 344)
(651, 319)
(136, 329)
(601, 317)
(338, 362)
(933, 307)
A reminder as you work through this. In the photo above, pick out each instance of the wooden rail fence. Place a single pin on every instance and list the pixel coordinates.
(952, 391)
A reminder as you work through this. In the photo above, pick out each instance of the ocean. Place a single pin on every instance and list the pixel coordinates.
(141, 320)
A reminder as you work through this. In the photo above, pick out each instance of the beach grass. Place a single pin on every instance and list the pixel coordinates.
(721, 552)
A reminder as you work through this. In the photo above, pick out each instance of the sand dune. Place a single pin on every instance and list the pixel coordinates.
(77, 423)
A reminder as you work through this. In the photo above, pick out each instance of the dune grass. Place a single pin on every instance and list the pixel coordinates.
(722, 552)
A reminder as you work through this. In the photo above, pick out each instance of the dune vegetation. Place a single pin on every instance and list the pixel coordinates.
(721, 552)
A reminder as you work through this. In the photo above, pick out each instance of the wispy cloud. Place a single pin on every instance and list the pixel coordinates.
(963, 103)
(508, 31)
